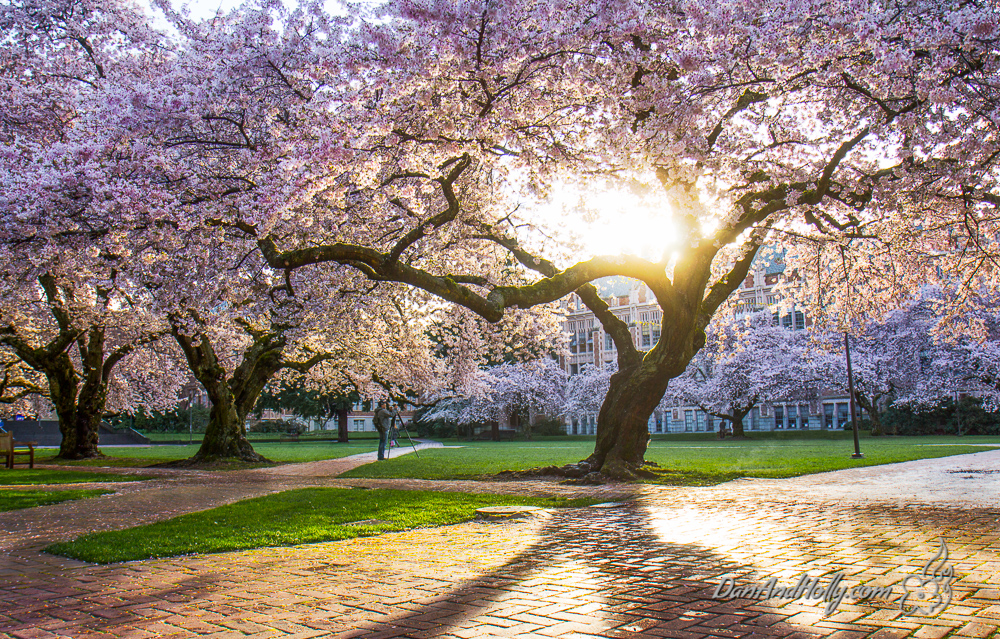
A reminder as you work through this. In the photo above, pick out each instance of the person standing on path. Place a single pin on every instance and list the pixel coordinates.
(382, 420)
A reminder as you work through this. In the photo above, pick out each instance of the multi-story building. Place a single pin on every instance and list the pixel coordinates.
(634, 303)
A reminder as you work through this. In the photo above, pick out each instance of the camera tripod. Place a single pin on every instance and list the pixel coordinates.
(405, 430)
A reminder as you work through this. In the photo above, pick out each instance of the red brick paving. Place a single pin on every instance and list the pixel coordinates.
(644, 570)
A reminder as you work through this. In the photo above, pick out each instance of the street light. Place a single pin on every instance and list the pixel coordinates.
(854, 408)
(850, 372)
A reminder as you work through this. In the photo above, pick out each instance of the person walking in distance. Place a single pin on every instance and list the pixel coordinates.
(382, 421)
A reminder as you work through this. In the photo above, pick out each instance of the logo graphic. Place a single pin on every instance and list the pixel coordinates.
(929, 592)
(925, 594)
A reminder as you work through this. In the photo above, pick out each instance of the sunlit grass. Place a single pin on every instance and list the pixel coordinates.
(697, 460)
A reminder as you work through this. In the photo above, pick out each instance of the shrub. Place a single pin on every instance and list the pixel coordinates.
(179, 420)
(439, 429)
(292, 427)
(548, 427)
(946, 418)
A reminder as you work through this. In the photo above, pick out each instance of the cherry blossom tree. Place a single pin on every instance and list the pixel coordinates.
(585, 392)
(80, 335)
(381, 143)
(746, 362)
(499, 392)
(889, 357)
(959, 353)
(784, 123)
(69, 164)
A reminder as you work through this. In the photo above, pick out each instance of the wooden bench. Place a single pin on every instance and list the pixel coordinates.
(10, 450)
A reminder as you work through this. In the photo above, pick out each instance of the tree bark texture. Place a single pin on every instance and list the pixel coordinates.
(622, 424)
(232, 399)
(737, 423)
(342, 425)
(870, 406)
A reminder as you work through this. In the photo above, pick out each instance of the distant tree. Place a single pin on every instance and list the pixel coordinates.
(889, 359)
(500, 392)
(585, 392)
(961, 354)
(746, 361)
(310, 403)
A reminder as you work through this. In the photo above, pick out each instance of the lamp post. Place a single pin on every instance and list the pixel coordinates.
(854, 408)
(850, 372)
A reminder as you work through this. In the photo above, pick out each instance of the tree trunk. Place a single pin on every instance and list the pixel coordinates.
(63, 390)
(226, 434)
(623, 422)
(737, 423)
(93, 393)
(869, 407)
(90, 407)
(342, 425)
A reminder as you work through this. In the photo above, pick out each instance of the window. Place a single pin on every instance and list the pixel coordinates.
(573, 369)
(779, 417)
(608, 342)
(359, 424)
(576, 426)
(800, 320)
(755, 419)
(659, 423)
(842, 418)
(688, 421)
(827, 415)
(803, 416)
(656, 335)
(700, 423)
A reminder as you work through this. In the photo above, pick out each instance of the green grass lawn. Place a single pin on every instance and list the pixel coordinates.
(23, 476)
(284, 452)
(17, 499)
(293, 517)
(312, 435)
(686, 460)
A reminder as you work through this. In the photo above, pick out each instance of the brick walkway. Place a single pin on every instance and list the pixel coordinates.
(647, 569)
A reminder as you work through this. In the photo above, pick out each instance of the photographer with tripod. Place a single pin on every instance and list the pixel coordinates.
(383, 422)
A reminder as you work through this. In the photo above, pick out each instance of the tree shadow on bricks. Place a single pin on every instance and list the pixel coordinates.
(99, 601)
(592, 572)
